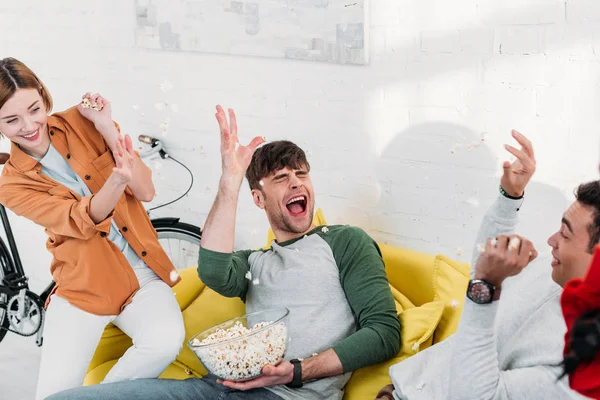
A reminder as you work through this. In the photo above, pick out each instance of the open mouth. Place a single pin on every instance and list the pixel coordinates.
(296, 205)
(555, 261)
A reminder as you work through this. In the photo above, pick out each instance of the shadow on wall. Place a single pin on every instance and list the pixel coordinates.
(437, 180)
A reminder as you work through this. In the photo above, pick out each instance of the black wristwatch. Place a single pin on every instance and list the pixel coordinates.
(482, 292)
(296, 382)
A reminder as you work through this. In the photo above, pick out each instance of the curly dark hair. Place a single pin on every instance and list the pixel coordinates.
(584, 343)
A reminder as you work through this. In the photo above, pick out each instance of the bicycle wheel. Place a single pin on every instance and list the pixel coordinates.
(4, 322)
(180, 241)
(5, 265)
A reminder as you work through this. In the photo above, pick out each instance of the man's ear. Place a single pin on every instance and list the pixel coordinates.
(259, 198)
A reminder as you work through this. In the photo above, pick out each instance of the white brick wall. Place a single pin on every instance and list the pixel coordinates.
(396, 146)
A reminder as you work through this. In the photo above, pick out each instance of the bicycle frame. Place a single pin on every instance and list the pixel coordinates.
(17, 276)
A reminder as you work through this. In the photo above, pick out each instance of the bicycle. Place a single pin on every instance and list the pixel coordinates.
(22, 311)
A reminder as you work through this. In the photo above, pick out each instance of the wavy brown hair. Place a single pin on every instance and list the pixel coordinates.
(15, 75)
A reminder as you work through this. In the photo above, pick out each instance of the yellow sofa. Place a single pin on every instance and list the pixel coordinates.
(429, 293)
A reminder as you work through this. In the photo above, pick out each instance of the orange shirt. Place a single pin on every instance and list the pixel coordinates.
(89, 270)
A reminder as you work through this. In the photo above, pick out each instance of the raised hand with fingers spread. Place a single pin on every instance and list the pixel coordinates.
(235, 158)
(518, 173)
(124, 159)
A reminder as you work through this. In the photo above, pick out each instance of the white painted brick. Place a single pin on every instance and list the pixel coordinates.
(521, 12)
(582, 10)
(476, 40)
(439, 14)
(521, 40)
(418, 115)
(395, 147)
(384, 13)
(402, 40)
(377, 41)
(567, 102)
(439, 41)
(577, 40)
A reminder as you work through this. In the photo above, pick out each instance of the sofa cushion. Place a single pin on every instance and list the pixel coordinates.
(418, 325)
(410, 272)
(450, 281)
(402, 302)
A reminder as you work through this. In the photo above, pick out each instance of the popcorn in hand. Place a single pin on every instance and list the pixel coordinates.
(86, 103)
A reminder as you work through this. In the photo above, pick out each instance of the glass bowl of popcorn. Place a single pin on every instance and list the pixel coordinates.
(238, 349)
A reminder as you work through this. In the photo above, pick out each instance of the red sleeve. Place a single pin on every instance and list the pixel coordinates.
(580, 296)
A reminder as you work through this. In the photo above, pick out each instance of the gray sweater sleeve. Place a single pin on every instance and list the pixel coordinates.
(474, 359)
(500, 219)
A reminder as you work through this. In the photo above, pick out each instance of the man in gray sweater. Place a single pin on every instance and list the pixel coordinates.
(331, 278)
(510, 339)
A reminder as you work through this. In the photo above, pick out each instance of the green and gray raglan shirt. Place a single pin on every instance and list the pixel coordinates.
(334, 284)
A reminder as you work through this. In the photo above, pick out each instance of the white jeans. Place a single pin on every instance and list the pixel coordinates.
(153, 321)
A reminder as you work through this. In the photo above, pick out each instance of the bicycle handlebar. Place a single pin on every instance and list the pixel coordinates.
(146, 139)
(156, 146)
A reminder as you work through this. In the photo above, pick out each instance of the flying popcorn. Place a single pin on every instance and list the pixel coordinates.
(164, 127)
(473, 201)
(459, 252)
(325, 229)
(455, 303)
(248, 275)
(480, 247)
(166, 86)
(415, 347)
(256, 281)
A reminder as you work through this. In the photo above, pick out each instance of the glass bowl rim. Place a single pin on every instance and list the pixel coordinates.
(285, 311)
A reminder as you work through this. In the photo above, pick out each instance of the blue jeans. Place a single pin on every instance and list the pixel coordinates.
(206, 388)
